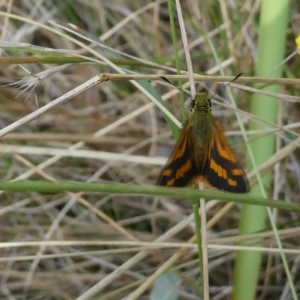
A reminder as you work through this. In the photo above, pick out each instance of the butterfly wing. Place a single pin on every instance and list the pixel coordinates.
(179, 169)
(222, 169)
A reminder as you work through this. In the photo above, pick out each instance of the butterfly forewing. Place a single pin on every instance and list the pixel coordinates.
(179, 170)
(222, 169)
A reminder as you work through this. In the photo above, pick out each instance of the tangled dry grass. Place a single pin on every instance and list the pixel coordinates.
(60, 246)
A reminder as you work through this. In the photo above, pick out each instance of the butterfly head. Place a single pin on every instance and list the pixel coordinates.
(201, 101)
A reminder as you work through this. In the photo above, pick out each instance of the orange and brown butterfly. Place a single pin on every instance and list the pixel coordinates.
(202, 153)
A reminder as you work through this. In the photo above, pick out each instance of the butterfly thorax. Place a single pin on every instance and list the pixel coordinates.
(201, 118)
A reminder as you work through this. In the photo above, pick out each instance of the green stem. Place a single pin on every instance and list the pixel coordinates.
(195, 203)
(121, 188)
(271, 45)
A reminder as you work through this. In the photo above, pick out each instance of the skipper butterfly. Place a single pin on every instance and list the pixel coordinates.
(202, 153)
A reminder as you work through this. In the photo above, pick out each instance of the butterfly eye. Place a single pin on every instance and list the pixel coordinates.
(192, 105)
(209, 103)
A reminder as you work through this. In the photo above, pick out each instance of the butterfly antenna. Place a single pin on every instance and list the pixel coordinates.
(223, 87)
(168, 81)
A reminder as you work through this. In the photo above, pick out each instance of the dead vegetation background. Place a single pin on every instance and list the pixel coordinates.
(50, 269)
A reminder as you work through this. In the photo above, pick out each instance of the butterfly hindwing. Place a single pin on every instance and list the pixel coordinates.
(179, 169)
(222, 169)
